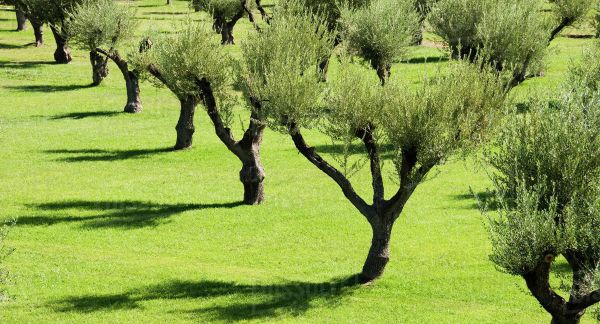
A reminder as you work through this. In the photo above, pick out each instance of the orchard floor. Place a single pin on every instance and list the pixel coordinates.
(114, 227)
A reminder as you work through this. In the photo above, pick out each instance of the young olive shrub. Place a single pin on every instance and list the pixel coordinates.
(380, 35)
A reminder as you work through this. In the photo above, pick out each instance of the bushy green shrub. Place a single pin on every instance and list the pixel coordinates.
(101, 23)
(378, 34)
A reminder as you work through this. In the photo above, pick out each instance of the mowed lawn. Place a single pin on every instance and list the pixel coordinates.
(113, 227)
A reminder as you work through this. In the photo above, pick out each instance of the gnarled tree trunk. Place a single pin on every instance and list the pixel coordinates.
(185, 126)
(21, 19)
(379, 252)
(37, 32)
(62, 54)
(227, 29)
(247, 150)
(99, 67)
(132, 82)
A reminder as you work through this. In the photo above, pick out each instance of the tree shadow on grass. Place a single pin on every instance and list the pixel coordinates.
(24, 64)
(112, 214)
(245, 302)
(14, 46)
(86, 114)
(49, 88)
(94, 155)
(483, 200)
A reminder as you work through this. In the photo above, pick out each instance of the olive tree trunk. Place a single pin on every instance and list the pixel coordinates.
(99, 67)
(185, 126)
(37, 32)
(379, 252)
(21, 19)
(247, 150)
(562, 311)
(132, 83)
(227, 29)
(62, 54)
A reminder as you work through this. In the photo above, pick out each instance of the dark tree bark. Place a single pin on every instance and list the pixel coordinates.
(132, 83)
(382, 213)
(185, 126)
(565, 22)
(62, 54)
(168, 2)
(263, 12)
(227, 30)
(99, 67)
(384, 70)
(562, 312)
(21, 19)
(37, 32)
(247, 150)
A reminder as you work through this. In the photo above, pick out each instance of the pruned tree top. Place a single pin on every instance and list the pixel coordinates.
(224, 9)
(186, 57)
(379, 34)
(101, 23)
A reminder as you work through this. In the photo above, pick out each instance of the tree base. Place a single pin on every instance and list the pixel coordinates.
(133, 108)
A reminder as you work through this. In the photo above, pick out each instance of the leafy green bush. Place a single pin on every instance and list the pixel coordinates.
(101, 23)
(378, 34)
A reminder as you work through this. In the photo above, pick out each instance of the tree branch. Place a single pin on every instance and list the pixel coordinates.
(224, 133)
(344, 184)
(585, 301)
(366, 135)
(563, 23)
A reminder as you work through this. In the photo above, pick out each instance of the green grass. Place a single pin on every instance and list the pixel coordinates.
(113, 228)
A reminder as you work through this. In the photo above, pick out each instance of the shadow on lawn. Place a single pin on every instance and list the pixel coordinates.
(49, 88)
(87, 114)
(245, 301)
(115, 214)
(485, 200)
(93, 155)
(22, 65)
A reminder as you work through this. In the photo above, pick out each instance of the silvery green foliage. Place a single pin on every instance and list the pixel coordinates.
(188, 56)
(278, 66)
(330, 10)
(547, 167)
(101, 23)
(509, 33)
(378, 34)
(447, 113)
(52, 12)
(584, 77)
(456, 22)
(514, 34)
(572, 10)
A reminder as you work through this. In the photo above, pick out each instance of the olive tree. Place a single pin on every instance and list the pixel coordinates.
(226, 14)
(197, 70)
(508, 34)
(568, 12)
(421, 128)
(55, 14)
(547, 171)
(380, 35)
(20, 13)
(423, 7)
(101, 26)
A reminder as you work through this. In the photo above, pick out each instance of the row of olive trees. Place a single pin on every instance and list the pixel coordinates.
(284, 91)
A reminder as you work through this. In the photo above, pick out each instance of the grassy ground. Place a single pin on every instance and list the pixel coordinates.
(112, 227)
